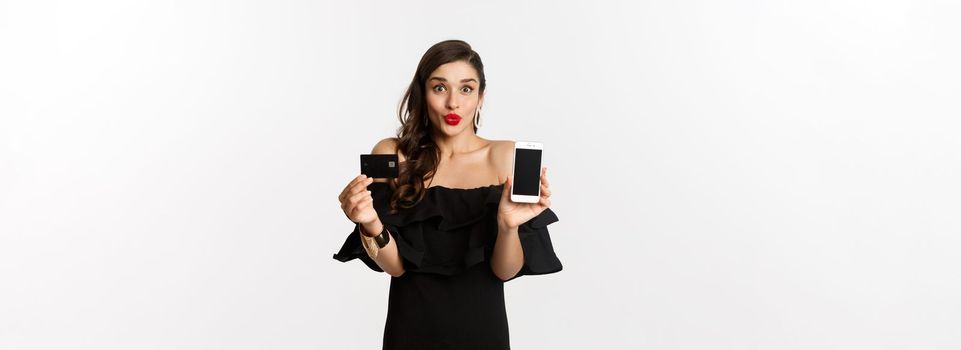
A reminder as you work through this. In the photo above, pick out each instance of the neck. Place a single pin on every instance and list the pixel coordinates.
(450, 146)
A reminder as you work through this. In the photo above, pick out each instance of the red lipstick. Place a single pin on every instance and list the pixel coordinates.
(452, 119)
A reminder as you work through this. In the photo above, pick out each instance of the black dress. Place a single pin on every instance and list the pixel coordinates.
(449, 298)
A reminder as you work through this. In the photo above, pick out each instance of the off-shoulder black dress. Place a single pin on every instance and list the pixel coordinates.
(449, 298)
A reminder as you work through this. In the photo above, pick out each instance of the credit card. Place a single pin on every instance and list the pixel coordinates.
(379, 166)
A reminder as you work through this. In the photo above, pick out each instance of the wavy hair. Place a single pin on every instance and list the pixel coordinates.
(414, 137)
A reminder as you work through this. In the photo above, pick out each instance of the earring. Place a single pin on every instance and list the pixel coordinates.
(426, 119)
(477, 122)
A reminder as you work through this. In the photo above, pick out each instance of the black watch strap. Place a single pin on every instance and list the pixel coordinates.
(383, 238)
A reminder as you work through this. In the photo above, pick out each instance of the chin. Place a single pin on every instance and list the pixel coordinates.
(453, 130)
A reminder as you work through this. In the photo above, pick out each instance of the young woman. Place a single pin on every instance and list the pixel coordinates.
(445, 229)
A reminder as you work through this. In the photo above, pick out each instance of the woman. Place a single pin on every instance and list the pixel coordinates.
(445, 229)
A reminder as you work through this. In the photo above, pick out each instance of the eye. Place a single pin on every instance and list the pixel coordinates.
(466, 89)
(440, 88)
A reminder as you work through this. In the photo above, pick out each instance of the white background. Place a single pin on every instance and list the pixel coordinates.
(728, 174)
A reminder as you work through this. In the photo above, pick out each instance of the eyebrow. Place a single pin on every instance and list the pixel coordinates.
(445, 80)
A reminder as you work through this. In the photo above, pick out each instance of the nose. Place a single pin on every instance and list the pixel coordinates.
(452, 102)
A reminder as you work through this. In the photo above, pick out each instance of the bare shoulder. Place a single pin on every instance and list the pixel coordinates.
(388, 146)
(502, 158)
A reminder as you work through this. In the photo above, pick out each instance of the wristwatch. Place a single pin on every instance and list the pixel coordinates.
(382, 239)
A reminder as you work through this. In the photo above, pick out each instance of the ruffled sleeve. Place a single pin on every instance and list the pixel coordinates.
(451, 230)
(539, 256)
(352, 248)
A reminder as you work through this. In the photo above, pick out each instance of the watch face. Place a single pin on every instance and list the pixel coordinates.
(382, 239)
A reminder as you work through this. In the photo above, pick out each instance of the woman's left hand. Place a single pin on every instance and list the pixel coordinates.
(510, 215)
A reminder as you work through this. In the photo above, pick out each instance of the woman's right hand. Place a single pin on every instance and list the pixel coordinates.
(357, 202)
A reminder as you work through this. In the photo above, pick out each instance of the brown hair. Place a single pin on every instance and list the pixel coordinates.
(414, 137)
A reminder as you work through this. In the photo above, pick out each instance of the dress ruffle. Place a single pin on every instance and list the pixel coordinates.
(451, 230)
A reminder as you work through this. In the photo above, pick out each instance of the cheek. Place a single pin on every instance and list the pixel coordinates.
(435, 102)
(469, 102)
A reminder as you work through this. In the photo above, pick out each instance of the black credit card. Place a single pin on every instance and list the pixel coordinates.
(379, 166)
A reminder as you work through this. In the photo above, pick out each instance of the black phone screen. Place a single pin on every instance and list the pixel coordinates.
(527, 172)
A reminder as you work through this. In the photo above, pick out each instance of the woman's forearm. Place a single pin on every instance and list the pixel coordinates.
(508, 256)
(387, 257)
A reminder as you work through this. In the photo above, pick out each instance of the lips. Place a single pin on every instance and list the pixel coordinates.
(452, 119)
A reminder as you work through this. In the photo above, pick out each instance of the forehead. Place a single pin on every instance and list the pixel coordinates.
(455, 71)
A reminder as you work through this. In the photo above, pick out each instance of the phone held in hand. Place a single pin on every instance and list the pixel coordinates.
(379, 166)
(526, 178)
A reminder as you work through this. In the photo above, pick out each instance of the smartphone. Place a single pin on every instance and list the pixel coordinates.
(379, 166)
(526, 178)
